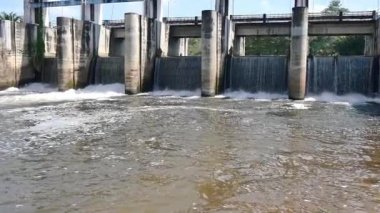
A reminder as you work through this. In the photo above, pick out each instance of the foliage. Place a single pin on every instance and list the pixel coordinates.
(10, 16)
(337, 45)
(194, 46)
(267, 45)
(334, 7)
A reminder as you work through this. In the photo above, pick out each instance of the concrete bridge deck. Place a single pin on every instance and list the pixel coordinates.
(351, 23)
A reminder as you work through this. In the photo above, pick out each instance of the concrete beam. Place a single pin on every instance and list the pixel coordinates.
(65, 3)
(342, 28)
(185, 31)
(272, 29)
(315, 29)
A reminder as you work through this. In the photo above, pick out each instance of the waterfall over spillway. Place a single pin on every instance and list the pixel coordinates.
(178, 73)
(341, 75)
(109, 70)
(258, 74)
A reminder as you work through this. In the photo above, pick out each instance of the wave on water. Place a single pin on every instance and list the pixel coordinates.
(37, 92)
(173, 93)
(349, 99)
(260, 96)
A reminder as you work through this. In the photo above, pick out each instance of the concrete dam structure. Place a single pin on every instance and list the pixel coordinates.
(148, 52)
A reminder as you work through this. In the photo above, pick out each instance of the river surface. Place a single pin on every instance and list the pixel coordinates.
(106, 152)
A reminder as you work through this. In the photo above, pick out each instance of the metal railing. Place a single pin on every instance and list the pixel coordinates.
(313, 17)
(268, 18)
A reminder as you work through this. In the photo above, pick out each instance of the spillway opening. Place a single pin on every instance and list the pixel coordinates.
(178, 73)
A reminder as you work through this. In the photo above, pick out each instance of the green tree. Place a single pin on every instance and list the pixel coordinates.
(195, 46)
(10, 16)
(334, 7)
(267, 45)
(337, 45)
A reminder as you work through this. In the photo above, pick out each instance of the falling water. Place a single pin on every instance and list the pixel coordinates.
(341, 75)
(259, 74)
(178, 73)
(109, 70)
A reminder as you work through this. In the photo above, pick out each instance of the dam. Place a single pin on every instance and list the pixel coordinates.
(72, 140)
(150, 52)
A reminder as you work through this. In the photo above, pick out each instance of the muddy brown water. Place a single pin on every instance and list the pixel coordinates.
(162, 154)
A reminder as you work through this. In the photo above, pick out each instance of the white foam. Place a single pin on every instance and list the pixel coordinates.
(171, 93)
(260, 96)
(36, 92)
(349, 99)
(300, 106)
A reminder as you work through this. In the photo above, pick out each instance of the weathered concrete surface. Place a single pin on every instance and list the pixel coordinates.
(16, 43)
(178, 46)
(50, 38)
(30, 13)
(78, 44)
(132, 60)
(92, 13)
(239, 46)
(369, 45)
(209, 52)
(153, 9)
(298, 54)
(65, 51)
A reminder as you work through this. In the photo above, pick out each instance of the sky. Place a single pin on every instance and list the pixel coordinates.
(183, 8)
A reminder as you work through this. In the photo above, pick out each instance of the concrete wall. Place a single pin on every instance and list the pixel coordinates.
(78, 44)
(16, 43)
(50, 38)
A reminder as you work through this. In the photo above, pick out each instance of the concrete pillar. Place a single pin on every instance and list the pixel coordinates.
(132, 63)
(178, 46)
(153, 9)
(369, 46)
(209, 52)
(65, 69)
(222, 7)
(239, 46)
(92, 12)
(298, 54)
(376, 36)
(30, 13)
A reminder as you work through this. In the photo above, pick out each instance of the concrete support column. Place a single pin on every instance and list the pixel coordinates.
(369, 45)
(153, 9)
(298, 54)
(222, 7)
(239, 46)
(178, 46)
(65, 51)
(92, 12)
(209, 52)
(132, 62)
(31, 14)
